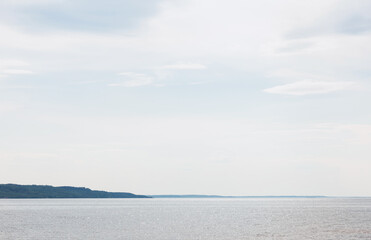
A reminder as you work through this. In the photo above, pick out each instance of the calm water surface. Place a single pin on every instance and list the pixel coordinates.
(186, 219)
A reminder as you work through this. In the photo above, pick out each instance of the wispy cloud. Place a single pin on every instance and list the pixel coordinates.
(16, 71)
(13, 67)
(184, 66)
(12, 63)
(132, 79)
(293, 75)
(309, 87)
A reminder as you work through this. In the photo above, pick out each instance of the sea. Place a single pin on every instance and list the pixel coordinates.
(186, 219)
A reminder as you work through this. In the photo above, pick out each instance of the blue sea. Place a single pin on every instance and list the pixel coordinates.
(186, 219)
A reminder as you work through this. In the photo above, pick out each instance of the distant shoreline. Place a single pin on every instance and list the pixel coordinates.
(15, 191)
(221, 196)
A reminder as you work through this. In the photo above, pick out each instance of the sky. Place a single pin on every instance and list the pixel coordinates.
(238, 97)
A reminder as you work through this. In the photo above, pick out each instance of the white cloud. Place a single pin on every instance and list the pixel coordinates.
(132, 79)
(309, 87)
(184, 66)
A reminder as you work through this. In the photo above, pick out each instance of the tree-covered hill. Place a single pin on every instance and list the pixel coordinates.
(45, 191)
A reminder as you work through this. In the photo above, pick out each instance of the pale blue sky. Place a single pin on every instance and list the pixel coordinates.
(183, 96)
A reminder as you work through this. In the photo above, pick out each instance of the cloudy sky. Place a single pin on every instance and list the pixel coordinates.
(231, 97)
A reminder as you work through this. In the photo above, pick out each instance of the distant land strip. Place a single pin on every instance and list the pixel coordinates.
(46, 191)
(220, 196)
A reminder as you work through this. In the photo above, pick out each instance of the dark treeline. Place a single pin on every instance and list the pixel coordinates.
(45, 191)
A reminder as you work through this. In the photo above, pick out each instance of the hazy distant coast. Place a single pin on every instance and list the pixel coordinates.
(45, 191)
(220, 196)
